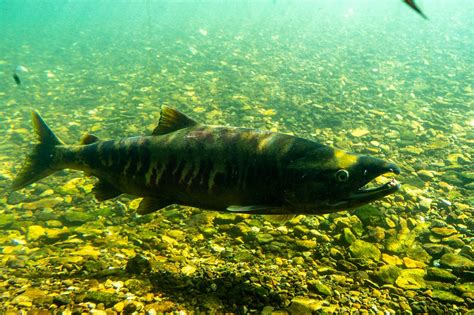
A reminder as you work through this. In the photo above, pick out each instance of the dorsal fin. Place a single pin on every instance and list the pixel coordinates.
(88, 139)
(172, 120)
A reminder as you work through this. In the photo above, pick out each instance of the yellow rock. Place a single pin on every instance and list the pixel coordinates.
(359, 132)
(411, 263)
(43, 203)
(135, 203)
(391, 260)
(269, 112)
(188, 270)
(199, 109)
(87, 251)
(35, 232)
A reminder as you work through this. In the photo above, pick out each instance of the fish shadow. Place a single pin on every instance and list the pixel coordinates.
(218, 291)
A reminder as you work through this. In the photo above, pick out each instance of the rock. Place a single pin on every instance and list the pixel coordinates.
(426, 175)
(15, 198)
(299, 261)
(62, 299)
(436, 250)
(305, 244)
(7, 220)
(411, 263)
(425, 203)
(75, 217)
(457, 262)
(319, 287)
(387, 274)
(304, 305)
(348, 236)
(244, 256)
(392, 260)
(227, 218)
(171, 242)
(446, 296)
(138, 265)
(107, 298)
(411, 279)
(434, 273)
(443, 231)
(454, 241)
(264, 238)
(35, 232)
(267, 310)
(300, 230)
(177, 234)
(43, 203)
(370, 215)
(466, 288)
(188, 270)
(54, 235)
(364, 250)
(352, 222)
(138, 287)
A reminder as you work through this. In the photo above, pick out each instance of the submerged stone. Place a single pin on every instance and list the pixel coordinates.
(446, 296)
(387, 274)
(457, 262)
(364, 250)
(434, 273)
(108, 299)
(411, 279)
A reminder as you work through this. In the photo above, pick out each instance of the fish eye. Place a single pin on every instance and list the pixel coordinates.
(342, 175)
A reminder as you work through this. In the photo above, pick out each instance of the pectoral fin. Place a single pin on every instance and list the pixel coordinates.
(149, 205)
(104, 191)
(255, 209)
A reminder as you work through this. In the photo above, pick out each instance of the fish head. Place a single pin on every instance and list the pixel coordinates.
(339, 182)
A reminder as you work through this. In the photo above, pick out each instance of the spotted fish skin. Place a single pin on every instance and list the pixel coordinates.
(210, 167)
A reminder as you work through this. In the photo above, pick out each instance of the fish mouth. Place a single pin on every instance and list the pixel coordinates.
(368, 192)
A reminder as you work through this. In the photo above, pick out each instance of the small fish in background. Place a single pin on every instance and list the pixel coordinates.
(16, 78)
(21, 69)
(15, 75)
(412, 4)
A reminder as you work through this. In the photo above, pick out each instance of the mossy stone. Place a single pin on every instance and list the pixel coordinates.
(387, 274)
(446, 296)
(440, 274)
(457, 262)
(107, 298)
(364, 250)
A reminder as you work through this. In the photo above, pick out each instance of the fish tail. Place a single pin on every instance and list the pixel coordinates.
(41, 161)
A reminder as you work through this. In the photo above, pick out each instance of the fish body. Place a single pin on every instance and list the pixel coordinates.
(16, 78)
(214, 167)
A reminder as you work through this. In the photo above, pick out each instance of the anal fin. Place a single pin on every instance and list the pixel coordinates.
(149, 205)
(104, 191)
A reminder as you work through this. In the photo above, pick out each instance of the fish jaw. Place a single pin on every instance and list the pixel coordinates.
(359, 195)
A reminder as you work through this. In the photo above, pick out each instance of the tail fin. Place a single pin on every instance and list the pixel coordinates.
(39, 163)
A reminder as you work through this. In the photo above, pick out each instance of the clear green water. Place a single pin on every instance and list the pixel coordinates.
(371, 77)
